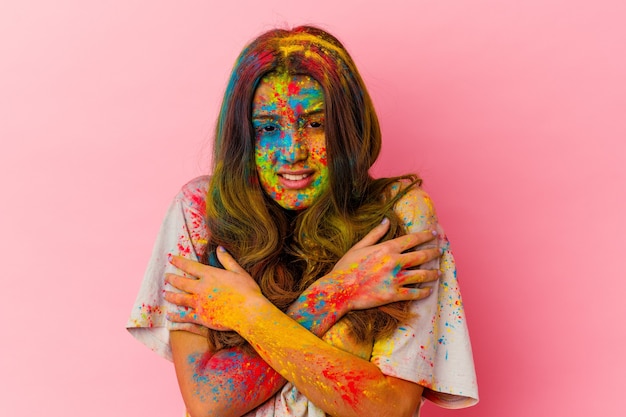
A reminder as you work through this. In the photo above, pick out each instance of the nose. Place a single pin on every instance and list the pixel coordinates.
(294, 148)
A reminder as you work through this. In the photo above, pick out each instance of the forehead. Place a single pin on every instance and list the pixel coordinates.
(283, 90)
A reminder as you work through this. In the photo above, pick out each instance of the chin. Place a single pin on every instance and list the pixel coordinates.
(294, 207)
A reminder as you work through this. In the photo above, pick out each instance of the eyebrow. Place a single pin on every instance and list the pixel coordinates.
(313, 112)
(270, 116)
(264, 116)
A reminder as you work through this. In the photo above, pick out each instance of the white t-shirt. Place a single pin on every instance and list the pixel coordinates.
(432, 350)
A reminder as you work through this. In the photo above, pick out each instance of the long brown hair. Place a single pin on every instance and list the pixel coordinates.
(286, 251)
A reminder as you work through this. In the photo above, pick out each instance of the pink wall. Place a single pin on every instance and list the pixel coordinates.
(513, 112)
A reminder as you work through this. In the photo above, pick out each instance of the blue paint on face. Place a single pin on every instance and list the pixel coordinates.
(290, 143)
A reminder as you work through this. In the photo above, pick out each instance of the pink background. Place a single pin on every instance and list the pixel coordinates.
(514, 112)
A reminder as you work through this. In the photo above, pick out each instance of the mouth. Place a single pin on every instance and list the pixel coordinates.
(296, 180)
(294, 177)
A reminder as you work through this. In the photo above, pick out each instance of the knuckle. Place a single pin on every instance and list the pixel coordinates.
(403, 242)
(385, 249)
(419, 276)
(416, 295)
(420, 257)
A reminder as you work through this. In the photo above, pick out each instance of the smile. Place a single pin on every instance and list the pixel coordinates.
(294, 177)
(296, 180)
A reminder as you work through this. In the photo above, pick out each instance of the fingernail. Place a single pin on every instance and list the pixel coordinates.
(221, 248)
(385, 221)
(434, 232)
(169, 257)
(441, 250)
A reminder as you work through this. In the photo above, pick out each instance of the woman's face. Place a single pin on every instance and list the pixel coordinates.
(288, 120)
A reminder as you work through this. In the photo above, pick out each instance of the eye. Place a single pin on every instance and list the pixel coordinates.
(313, 124)
(266, 128)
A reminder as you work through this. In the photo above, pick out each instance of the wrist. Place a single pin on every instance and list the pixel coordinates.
(325, 300)
(339, 292)
(249, 312)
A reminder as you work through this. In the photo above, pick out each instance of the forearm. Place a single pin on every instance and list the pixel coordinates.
(338, 382)
(233, 381)
(226, 383)
(320, 306)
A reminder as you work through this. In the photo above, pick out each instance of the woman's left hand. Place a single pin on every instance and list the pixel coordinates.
(213, 295)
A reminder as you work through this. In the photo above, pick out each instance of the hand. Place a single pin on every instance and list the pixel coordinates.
(374, 274)
(214, 295)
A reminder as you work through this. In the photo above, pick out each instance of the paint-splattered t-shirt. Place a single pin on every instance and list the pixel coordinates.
(432, 350)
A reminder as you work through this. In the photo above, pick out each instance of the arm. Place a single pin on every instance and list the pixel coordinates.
(435, 347)
(347, 288)
(215, 380)
(336, 381)
(233, 381)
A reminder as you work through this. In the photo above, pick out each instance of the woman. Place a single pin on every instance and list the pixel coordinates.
(290, 282)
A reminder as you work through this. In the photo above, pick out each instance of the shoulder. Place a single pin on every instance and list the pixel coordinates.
(187, 217)
(198, 185)
(192, 195)
(414, 208)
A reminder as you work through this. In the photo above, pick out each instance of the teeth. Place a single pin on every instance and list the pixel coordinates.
(292, 177)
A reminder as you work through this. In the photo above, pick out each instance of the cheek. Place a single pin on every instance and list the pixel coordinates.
(263, 169)
(322, 157)
(265, 156)
(317, 150)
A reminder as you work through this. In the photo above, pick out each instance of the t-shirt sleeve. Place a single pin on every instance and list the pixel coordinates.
(433, 348)
(183, 232)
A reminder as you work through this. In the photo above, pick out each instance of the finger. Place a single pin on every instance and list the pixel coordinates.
(190, 316)
(187, 265)
(180, 299)
(181, 283)
(412, 294)
(197, 329)
(226, 259)
(411, 240)
(418, 257)
(374, 235)
(417, 276)
(182, 316)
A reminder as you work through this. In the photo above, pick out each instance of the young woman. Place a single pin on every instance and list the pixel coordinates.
(290, 282)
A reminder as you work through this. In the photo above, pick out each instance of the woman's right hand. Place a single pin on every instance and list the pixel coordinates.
(372, 274)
